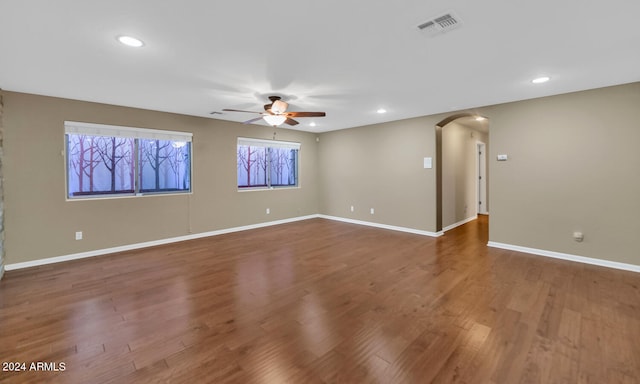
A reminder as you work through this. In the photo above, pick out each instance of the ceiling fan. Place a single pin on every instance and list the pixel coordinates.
(276, 113)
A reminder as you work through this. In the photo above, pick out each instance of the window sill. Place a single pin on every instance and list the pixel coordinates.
(117, 197)
(266, 189)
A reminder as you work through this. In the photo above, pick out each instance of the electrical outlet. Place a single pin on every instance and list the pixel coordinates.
(268, 211)
(372, 211)
(352, 208)
(78, 235)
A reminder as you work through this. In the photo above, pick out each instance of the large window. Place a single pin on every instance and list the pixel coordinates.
(104, 160)
(267, 163)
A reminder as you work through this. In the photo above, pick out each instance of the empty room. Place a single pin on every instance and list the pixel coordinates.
(328, 192)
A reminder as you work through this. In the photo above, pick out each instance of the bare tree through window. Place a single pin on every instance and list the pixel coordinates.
(114, 151)
(106, 165)
(262, 165)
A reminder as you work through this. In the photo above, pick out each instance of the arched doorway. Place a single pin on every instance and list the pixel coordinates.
(461, 169)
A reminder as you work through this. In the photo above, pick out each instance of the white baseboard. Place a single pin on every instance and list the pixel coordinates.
(459, 223)
(566, 256)
(105, 251)
(383, 226)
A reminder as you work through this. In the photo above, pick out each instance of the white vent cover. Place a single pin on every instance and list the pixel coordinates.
(440, 24)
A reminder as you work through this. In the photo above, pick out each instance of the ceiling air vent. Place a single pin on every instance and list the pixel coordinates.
(440, 24)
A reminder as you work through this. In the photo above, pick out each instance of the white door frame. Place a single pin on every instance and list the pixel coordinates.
(481, 178)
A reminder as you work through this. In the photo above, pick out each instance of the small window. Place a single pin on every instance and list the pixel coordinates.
(267, 163)
(164, 166)
(105, 160)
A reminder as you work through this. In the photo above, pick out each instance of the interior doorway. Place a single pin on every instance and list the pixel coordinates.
(462, 172)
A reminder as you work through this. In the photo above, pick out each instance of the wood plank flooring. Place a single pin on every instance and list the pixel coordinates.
(319, 301)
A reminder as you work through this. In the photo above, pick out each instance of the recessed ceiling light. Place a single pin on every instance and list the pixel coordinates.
(480, 118)
(130, 41)
(541, 79)
(381, 110)
(313, 123)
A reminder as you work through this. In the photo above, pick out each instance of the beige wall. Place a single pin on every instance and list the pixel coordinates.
(574, 165)
(381, 167)
(41, 224)
(459, 172)
(1, 189)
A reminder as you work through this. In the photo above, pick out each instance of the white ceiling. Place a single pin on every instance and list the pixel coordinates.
(347, 58)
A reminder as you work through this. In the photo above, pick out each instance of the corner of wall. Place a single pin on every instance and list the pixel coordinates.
(1, 193)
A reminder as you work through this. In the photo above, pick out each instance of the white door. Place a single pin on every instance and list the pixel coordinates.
(482, 178)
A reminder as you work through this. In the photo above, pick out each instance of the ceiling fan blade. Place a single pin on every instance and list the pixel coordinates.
(252, 120)
(239, 110)
(291, 122)
(305, 114)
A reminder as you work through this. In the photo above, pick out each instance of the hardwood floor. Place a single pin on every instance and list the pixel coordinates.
(319, 301)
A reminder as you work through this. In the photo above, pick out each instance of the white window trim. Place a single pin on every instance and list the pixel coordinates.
(268, 143)
(91, 129)
(247, 141)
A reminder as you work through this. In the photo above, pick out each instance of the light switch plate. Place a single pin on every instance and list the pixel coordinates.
(502, 157)
(428, 162)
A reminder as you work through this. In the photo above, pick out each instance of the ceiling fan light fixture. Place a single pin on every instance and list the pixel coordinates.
(274, 120)
(279, 107)
(275, 114)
